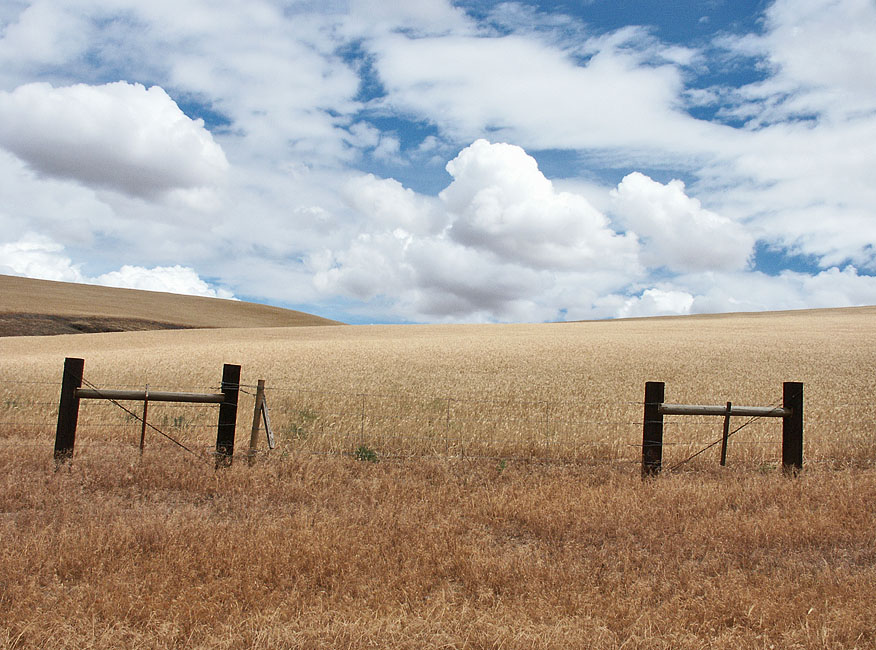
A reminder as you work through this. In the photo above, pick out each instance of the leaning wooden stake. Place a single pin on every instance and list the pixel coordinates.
(256, 420)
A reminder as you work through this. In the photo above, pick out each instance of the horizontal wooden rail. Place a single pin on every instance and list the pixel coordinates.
(745, 411)
(153, 396)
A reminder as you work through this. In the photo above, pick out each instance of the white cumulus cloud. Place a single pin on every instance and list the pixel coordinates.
(37, 256)
(499, 243)
(676, 231)
(169, 279)
(121, 136)
(656, 302)
(502, 203)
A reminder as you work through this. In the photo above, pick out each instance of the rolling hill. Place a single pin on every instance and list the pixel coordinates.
(31, 307)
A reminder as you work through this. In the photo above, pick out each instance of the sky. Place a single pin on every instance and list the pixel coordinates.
(437, 161)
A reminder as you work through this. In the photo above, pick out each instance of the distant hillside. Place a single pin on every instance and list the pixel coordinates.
(41, 307)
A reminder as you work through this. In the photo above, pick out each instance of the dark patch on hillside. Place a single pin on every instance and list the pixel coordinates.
(15, 324)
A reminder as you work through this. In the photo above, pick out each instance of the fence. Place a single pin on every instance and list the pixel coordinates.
(791, 413)
(72, 392)
(589, 429)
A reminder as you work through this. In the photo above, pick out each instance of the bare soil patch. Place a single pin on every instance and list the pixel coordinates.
(15, 324)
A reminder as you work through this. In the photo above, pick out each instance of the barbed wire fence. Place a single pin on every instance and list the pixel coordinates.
(383, 425)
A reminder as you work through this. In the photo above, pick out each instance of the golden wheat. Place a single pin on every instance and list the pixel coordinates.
(565, 391)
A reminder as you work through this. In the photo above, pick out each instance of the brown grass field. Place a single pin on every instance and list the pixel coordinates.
(506, 509)
(43, 307)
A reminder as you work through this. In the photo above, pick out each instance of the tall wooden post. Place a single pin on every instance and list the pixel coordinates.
(68, 409)
(652, 431)
(227, 415)
(792, 427)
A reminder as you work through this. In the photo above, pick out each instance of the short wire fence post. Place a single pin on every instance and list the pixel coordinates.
(652, 429)
(447, 429)
(68, 409)
(362, 423)
(227, 415)
(145, 414)
(726, 434)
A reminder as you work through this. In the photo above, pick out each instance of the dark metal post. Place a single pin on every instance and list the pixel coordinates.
(227, 415)
(68, 409)
(726, 434)
(652, 432)
(792, 427)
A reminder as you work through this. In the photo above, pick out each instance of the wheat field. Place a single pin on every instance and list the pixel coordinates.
(506, 509)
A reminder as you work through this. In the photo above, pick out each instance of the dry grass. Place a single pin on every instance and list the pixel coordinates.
(313, 550)
(38, 307)
(334, 553)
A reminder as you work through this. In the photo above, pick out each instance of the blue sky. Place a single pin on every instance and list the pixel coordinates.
(445, 162)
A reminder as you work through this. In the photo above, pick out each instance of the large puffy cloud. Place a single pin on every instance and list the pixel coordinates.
(501, 243)
(118, 135)
(677, 232)
(502, 203)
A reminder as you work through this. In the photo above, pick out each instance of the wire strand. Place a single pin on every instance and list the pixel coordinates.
(140, 419)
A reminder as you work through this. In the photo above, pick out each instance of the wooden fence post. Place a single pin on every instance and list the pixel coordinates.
(652, 431)
(792, 427)
(256, 419)
(227, 415)
(68, 409)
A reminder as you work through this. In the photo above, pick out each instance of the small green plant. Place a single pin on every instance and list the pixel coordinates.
(365, 453)
(296, 432)
(501, 466)
(299, 429)
(766, 468)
